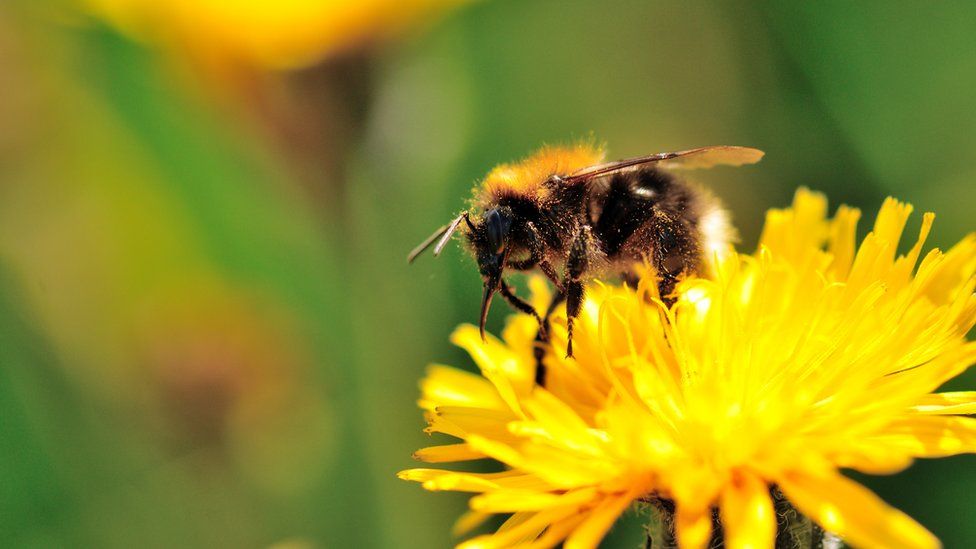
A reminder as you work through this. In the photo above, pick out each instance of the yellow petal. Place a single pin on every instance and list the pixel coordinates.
(419, 475)
(556, 532)
(796, 234)
(497, 450)
(520, 528)
(954, 403)
(591, 531)
(567, 469)
(869, 456)
(460, 421)
(511, 501)
(911, 258)
(446, 386)
(512, 375)
(561, 422)
(957, 266)
(435, 479)
(693, 526)
(932, 436)
(849, 510)
(890, 223)
(747, 514)
(843, 231)
(447, 452)
(469, 521)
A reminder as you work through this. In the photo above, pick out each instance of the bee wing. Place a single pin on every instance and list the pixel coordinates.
(704, 157)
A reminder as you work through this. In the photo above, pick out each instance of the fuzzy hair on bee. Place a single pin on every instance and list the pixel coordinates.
(566, 213)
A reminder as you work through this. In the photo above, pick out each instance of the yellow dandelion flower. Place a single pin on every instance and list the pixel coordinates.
(279, 34)
(811, 355)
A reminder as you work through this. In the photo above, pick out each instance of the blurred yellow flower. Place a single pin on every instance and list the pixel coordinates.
(811, 355)
(279, 34)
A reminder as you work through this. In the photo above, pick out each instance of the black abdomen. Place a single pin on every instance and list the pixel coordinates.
(653, 215)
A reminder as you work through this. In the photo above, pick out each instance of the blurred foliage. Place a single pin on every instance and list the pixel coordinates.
(208, 332)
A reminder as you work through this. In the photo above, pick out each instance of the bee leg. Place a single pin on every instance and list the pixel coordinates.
(550, 273)
(542, 337)
(531, 263)
(676, 252)
(574, 302)
(630, 279)
(576, 265)
(537, 245)
(522, 265)
(665, 288)
(521, 305)
(669, 269)
(544, 265)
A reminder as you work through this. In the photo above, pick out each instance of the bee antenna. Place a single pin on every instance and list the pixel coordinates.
(441, 236)
(450, 231)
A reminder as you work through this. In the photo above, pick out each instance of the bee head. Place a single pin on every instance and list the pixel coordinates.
(489, 237)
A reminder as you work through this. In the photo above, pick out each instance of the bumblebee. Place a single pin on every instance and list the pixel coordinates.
(571, 216)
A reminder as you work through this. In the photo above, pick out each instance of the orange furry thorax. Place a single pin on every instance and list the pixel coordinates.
(527, 176)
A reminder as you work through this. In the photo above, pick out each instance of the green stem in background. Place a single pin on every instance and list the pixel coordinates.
(793, 530)
(315, 118)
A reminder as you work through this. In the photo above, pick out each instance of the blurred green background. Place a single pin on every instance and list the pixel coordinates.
(209, 335)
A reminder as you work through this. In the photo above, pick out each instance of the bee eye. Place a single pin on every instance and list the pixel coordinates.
(496, 229)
